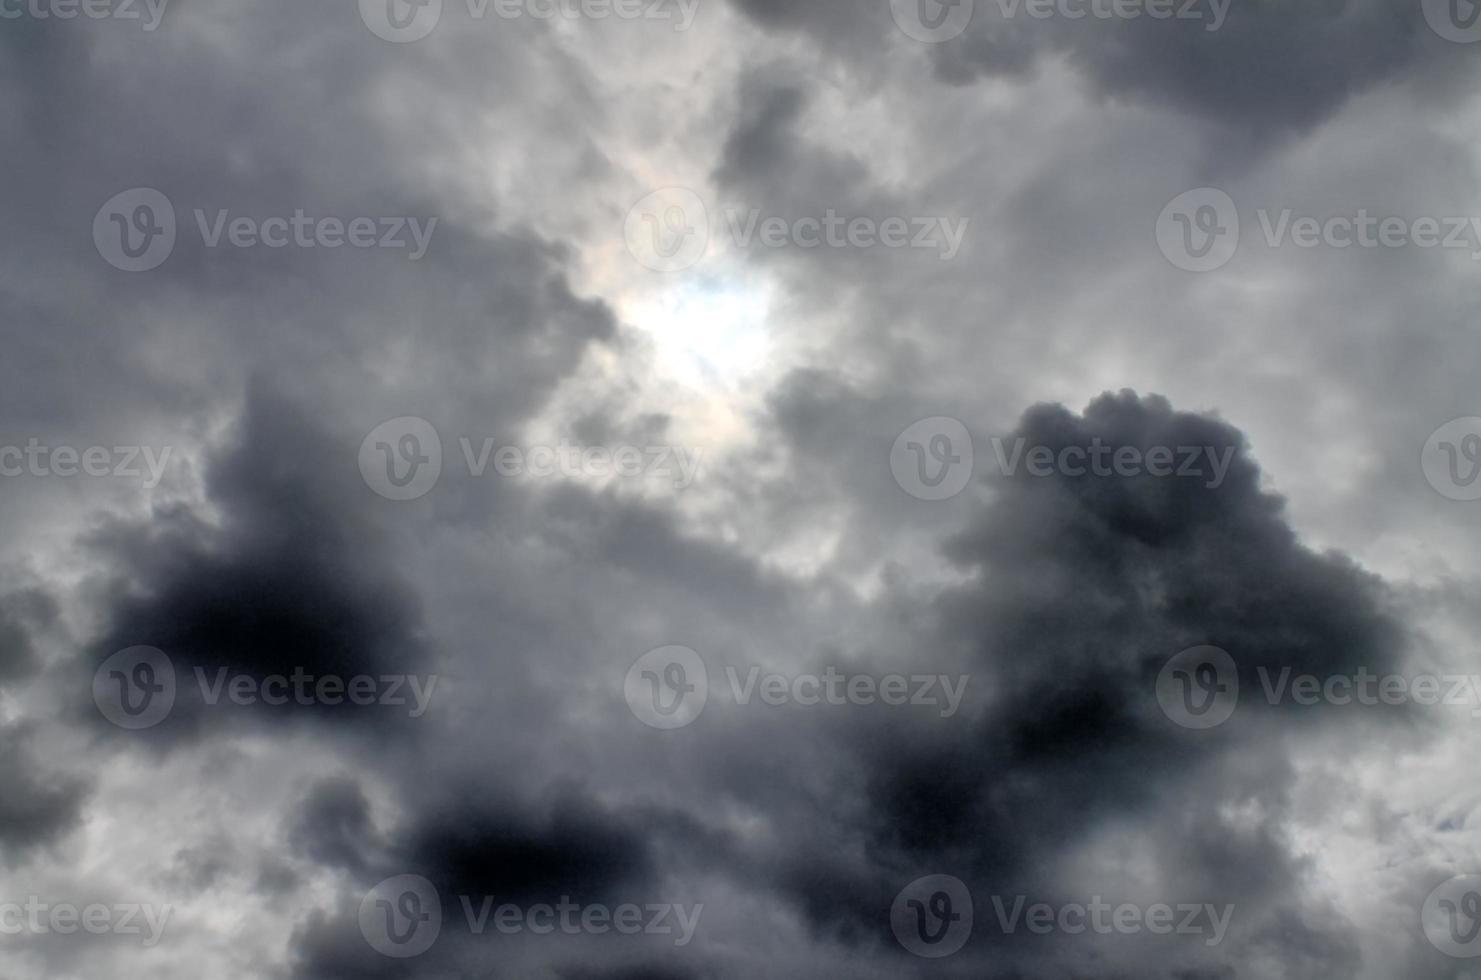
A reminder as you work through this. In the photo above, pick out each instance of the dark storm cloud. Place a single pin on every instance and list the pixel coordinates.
(293, 574)
(570, 847)
(1268, 69)
(1082, 588)
(644, 971)
(38, 807)
(565, 847)
(333, 825)
(22, 613)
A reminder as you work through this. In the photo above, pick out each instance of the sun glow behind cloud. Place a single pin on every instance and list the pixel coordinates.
(710, 330)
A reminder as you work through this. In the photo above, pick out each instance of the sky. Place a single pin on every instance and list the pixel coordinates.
(705, 489)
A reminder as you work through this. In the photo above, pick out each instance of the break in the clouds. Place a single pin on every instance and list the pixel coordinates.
(681, 491)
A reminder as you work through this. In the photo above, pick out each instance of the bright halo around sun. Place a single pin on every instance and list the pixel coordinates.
(707, 331)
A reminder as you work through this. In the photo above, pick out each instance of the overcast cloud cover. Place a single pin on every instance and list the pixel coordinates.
(703, 489)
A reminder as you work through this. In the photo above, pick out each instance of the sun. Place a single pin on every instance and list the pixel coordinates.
(708, 330)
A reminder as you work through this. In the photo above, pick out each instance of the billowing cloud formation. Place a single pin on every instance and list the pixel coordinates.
(778, 839)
